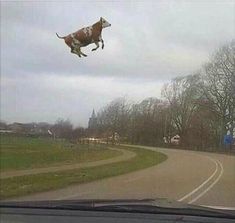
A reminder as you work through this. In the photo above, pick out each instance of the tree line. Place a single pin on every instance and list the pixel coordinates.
(199, 107)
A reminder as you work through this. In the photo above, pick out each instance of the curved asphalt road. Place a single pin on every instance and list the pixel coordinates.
(188, 176)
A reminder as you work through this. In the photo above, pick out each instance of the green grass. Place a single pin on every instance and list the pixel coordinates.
(19, 153)
(19, 186)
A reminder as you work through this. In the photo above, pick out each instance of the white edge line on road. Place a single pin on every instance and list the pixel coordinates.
(206, 181)
(201, 185)
(208, 188)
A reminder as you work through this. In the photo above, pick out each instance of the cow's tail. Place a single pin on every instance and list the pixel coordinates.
(60, 37)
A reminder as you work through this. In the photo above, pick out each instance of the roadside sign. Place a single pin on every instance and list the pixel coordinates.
(228, 139)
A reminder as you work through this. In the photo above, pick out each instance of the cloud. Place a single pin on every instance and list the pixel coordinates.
(148, 44)
(143, 36)
(48, 97)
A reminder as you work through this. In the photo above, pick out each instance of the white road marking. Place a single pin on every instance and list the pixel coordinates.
(201, 185)
(208, 188)
(204, 191)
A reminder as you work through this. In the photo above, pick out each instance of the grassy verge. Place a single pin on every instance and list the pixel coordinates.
(18, 153)
(19, 186)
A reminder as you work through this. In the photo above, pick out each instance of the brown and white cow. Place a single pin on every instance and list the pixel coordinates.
(86, 36)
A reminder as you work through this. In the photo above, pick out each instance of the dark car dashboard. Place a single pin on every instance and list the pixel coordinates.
(36, 215)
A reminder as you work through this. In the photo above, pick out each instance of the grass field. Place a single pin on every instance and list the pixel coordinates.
(19, 153)
(19, 186)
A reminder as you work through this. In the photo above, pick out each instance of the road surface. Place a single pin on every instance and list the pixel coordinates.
(188, 176)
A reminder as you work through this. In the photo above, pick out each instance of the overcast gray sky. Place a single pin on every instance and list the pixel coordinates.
(149, 43)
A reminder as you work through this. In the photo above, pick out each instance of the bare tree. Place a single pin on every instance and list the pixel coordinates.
(147, 122)
(181, 95)
(200, 108)
(219, 87)
(63, 128)
(114, 117)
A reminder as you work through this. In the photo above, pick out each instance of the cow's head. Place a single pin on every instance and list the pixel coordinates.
(104, 23)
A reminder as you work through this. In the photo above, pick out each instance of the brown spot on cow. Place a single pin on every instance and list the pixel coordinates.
(96, 31)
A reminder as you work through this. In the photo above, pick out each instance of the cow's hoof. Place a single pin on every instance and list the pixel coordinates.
(93, 49)
(102, 47)
(85, 55)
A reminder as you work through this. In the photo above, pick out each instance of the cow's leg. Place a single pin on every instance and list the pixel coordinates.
(97, 46)
(75, 52)
(102, 41)
(75, 49)
(79, 52)
(83, 54)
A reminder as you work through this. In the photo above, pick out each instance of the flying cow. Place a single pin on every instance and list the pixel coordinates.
(86, 36)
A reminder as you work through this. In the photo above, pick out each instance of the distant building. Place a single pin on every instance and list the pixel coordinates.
(16, 127)
(92, 124)
(30, 128)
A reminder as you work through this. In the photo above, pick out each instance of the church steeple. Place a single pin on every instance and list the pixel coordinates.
(93, 114)
(92, 124)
